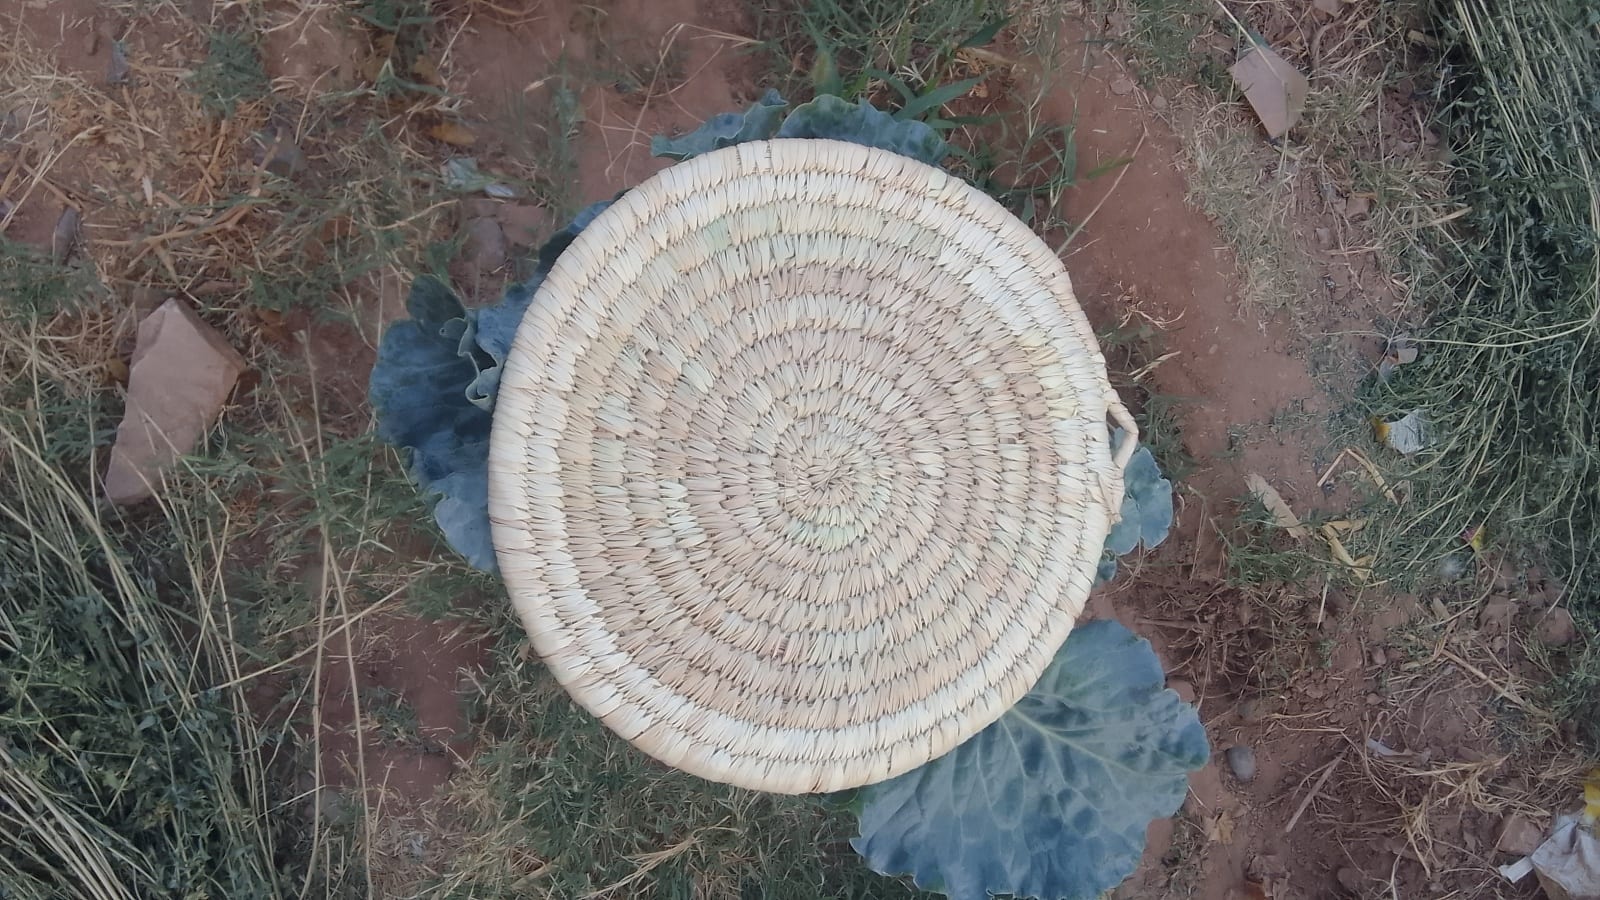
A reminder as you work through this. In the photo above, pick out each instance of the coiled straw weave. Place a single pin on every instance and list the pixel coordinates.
(800, 468)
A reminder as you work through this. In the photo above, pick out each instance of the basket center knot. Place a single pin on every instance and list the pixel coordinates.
(824, 472)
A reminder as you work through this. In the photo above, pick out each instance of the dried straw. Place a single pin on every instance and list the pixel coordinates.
(800, 468)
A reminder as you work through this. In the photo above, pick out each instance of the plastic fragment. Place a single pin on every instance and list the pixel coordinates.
(1407, 434)
(1400, 351)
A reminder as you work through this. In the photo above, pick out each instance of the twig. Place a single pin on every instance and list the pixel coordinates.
(10, 180)
(1327, 771)
(317, 674)
(1171, 623)
(227, 219)
(37, 176)
(62, 197)
(1332, 466)
(1060, 248)
(1447, 217)
(210, 176)
(1243, 31)
(382, 603)
(330, 563)
(1478, 673)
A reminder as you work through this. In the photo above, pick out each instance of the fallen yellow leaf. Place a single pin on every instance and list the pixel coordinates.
(453, 133)
(1356, 567)
(1591, 797)
(1377, 478)
(1282, 514)
(1475, 539)
(1219, 828)
(427, 71)
(382, 52)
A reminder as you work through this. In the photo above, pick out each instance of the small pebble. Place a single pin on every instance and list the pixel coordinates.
(64, 239)
(1519, 835)
(1349, 879)
(1251, 711)
(485, 245)
(1555, 628)
(118, 69)
(1242, 762)
(284, 158)
(10, 128)
(1183, 689)
(1374, 699)
(1379, 657)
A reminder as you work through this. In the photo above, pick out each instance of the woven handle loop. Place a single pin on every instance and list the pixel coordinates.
(1130, 439)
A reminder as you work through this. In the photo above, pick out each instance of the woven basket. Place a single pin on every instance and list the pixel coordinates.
(800, 469)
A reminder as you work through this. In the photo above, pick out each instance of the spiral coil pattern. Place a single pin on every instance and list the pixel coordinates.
(800, 469)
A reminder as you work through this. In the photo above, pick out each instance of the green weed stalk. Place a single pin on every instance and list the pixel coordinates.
(127, 769)
(1510, 377)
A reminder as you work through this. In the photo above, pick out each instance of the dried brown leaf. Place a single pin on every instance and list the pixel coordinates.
(1219, 828)
(426, 71)
(1282, 514)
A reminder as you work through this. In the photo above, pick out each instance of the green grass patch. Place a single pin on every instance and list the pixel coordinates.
(231, 74)
(577, 812)
(36, 287)
(1162, 33)
(1510, 375)
(932, 61)
(129, 763)
(855, 37)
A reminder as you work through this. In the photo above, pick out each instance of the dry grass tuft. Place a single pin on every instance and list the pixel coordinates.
(280, 535)
(1250, 191)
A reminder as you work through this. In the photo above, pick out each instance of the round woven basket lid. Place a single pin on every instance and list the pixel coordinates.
(800, 469)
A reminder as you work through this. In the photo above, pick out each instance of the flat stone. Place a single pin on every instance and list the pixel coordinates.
(485, 245)
(1555, 628)
(1242, 762)
(1519, 835)
(1183, 689)
(1275, 89)
(525, 224)
(180, 376)
(1253, 710)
